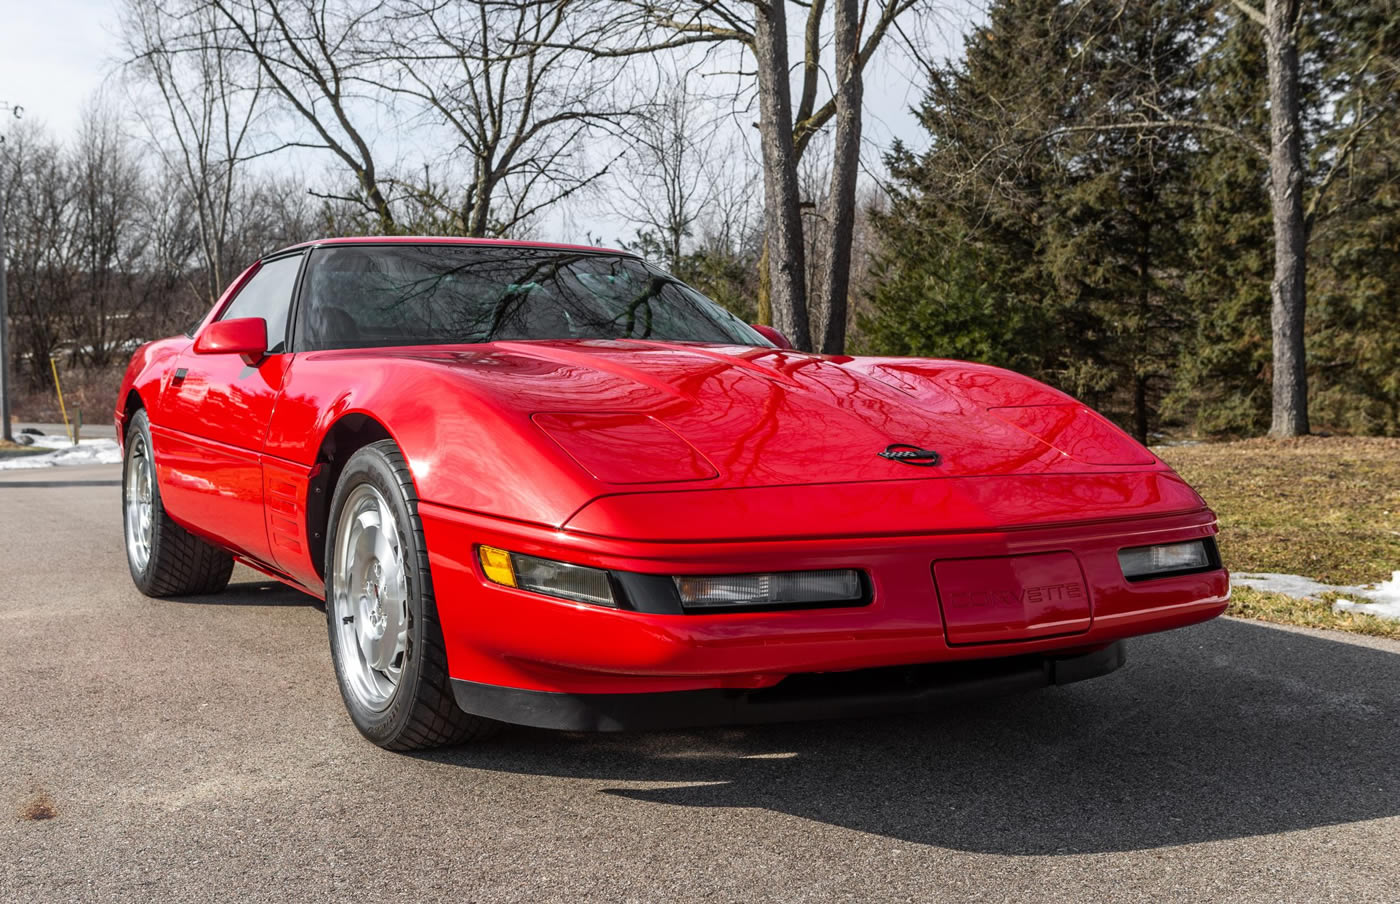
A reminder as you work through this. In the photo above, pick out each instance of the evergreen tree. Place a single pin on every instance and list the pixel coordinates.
(1354, 320)
(1093, 209)
(1221, 381)
(1034, 232)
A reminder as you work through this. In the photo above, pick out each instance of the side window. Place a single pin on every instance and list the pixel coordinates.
(268, 295)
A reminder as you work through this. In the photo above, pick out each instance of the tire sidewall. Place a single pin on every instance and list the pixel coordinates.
(143, 578)
(369, 465)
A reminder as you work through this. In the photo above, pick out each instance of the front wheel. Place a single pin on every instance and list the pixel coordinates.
(385, 637)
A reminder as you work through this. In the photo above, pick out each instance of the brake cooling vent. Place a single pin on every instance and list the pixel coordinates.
(624, 447)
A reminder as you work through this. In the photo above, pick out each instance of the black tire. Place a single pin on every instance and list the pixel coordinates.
(421, 711)
(179, 563)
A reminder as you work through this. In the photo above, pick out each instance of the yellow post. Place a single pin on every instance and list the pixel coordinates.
(53, 365)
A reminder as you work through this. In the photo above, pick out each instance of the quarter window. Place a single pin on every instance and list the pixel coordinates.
(268, 295)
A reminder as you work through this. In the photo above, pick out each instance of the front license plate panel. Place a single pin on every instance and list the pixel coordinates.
(1012, 597)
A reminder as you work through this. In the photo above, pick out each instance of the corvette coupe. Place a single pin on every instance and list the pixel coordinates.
(553, 485)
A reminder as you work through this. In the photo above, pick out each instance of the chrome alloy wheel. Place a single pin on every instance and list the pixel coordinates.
(139, 501)
(370, 597)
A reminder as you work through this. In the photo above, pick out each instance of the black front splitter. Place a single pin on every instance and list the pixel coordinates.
(824, 695)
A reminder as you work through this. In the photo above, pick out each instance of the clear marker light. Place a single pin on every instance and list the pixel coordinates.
(718, 591)
(1145, 561)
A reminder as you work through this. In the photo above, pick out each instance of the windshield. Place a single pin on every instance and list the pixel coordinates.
(363, 296)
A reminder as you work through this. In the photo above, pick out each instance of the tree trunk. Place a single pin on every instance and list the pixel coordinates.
(377, 202)
(1289, 291)
(1140, 408)
(845, 166)
(781, 201)
(765, 298)
(478, 215)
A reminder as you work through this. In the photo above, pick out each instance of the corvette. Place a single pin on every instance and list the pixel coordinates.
(552, 485)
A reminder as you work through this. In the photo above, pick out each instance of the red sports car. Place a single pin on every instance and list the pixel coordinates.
(552, 485)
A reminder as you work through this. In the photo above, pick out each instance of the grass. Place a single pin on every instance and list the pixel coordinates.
(1324, 507)
(1286, 610)
(14, 449)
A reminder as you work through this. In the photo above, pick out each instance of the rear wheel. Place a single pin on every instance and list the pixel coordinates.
(164, 558)
(385, 637)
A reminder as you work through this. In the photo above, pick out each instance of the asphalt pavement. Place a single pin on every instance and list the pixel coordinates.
(197, 750)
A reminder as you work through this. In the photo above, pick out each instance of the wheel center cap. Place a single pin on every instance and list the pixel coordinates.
(377, 646)
(374, 597)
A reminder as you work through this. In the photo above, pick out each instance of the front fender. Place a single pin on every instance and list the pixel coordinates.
(466, 448)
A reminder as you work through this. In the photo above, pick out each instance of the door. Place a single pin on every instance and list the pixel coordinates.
(215, 412)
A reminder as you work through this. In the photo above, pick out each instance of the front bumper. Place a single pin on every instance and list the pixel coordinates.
(866, 692)
(511, 639)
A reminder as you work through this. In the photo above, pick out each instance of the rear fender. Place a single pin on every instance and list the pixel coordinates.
(145, 378)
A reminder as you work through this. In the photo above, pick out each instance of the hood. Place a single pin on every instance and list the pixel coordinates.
(641, 412)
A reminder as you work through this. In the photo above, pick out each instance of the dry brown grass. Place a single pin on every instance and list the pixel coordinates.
(8, 449)
(91, 393)
(1324, 507)
(1286, 610)
(1327, 508)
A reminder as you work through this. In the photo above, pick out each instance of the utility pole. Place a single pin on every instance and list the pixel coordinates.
(6, 429)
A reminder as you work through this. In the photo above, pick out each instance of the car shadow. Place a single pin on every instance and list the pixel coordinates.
(1224, 730)
(253, 593)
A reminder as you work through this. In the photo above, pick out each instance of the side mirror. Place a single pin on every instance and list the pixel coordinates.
(772, 335)
(244, 336)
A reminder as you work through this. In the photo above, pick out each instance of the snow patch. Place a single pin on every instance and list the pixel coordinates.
(1382, 600)
(87, 452)
(1385, 600)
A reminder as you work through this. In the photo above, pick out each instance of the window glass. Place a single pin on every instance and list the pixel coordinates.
(363, 296)
(268, 295)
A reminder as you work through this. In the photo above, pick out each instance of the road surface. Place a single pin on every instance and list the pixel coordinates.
(197, 750)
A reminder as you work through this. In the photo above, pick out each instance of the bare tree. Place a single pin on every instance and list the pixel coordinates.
(170, 297)
(306, 51)
(830, 306)
(107, 237)
(729, 220)
(787, 283)
(520, 105)
(39, 208)
(1279, 20)
(759, 28)
(667, 185)
(210, 98)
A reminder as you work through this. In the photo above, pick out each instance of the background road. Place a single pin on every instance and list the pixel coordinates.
(197, 750)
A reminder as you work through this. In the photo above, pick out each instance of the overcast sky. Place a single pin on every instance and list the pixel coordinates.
(56, 55)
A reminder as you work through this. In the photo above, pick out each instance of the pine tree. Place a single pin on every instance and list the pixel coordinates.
(1221, 382)
(1354, 319)
(1035, 231)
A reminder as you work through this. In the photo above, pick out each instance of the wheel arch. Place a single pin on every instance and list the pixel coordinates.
(130, 405)
(349, 433)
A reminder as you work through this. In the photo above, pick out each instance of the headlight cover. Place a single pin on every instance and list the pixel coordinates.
(790, 587)
(1141, 563)
(679, 595)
